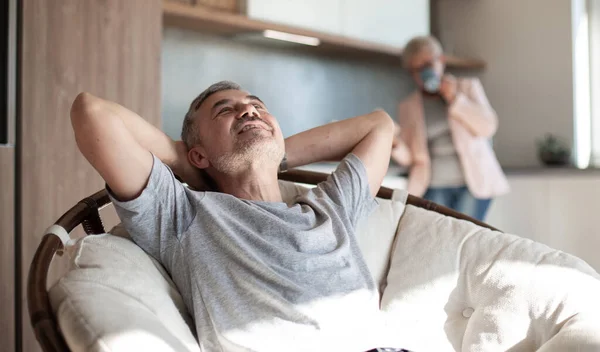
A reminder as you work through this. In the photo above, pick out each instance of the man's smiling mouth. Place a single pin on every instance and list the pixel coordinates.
(248, 128)
(253, 125)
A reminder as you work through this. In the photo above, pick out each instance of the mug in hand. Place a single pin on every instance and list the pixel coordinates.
(430, 79)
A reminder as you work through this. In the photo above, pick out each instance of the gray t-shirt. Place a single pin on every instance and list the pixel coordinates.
(446, 169)
(263, 276)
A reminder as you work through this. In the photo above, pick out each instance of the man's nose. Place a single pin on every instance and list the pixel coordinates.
(247, 110)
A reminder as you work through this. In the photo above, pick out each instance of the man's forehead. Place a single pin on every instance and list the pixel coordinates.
(230, 94)
(233, 95)
(224, 97)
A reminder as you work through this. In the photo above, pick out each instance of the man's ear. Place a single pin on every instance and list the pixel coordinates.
(197, 157)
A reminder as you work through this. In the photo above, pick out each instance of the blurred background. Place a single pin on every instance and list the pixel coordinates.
(312, 62)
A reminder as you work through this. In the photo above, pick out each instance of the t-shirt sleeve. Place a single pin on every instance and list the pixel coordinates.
(160, 214)
(348, 186)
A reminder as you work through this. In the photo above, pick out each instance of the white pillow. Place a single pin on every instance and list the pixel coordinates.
(117, 298)
(454, 286)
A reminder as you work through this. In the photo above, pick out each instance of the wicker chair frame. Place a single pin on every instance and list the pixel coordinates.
(86, 213)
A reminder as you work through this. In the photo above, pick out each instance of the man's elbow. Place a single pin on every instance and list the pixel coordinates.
(85, 113)
(383, 121)
(84, 107)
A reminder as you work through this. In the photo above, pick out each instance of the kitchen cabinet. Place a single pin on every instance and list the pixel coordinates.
(223, 23)
(522, 211)
(556, 208)
(318, 15)
(389, 22)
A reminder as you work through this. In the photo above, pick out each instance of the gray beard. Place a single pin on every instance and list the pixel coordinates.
(262, 150)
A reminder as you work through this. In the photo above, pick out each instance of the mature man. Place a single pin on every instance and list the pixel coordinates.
(257, 274)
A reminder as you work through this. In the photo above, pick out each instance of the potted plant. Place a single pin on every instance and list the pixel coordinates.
(553, 151)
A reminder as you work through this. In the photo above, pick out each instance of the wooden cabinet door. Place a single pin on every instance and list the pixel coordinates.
(221, 5)
(8, 58)
(7, 249)
(110, 48)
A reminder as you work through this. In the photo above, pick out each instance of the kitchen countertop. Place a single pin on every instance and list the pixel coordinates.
(551, 171)
(391, 179)
(395, 177)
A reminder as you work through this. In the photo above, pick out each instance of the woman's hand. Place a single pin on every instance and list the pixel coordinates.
(396, 139)
(448, 88)
(400, 152)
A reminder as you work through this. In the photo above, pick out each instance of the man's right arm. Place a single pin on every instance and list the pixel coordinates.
(118, 143)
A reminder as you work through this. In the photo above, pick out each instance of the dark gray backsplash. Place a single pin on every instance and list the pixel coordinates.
(302, 90)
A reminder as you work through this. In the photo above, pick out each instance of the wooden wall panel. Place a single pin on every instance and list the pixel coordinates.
(12, 69)
(107, 47)
(7, 250)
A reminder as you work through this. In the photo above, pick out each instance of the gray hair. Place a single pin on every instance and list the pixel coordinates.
(419, 44)
(189, 131)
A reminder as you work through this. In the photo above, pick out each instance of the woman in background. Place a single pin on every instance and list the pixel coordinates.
(445, 131)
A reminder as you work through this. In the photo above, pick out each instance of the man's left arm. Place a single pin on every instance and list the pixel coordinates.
(369, 137)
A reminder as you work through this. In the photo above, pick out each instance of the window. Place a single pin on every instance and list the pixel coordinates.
(586, 81)
(594, 49)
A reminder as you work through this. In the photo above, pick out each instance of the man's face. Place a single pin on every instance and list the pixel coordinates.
(424, 59)
(236, 129)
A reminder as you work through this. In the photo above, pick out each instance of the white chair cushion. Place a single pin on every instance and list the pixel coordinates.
(454, 286)
(117, 298)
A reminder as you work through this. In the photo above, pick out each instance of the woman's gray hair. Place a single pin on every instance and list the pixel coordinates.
(419, 44)
(189, 131)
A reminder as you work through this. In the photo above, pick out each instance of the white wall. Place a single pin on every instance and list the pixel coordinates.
(529, 80)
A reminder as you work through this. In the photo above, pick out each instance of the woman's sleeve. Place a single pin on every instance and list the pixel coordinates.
(472, 108)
